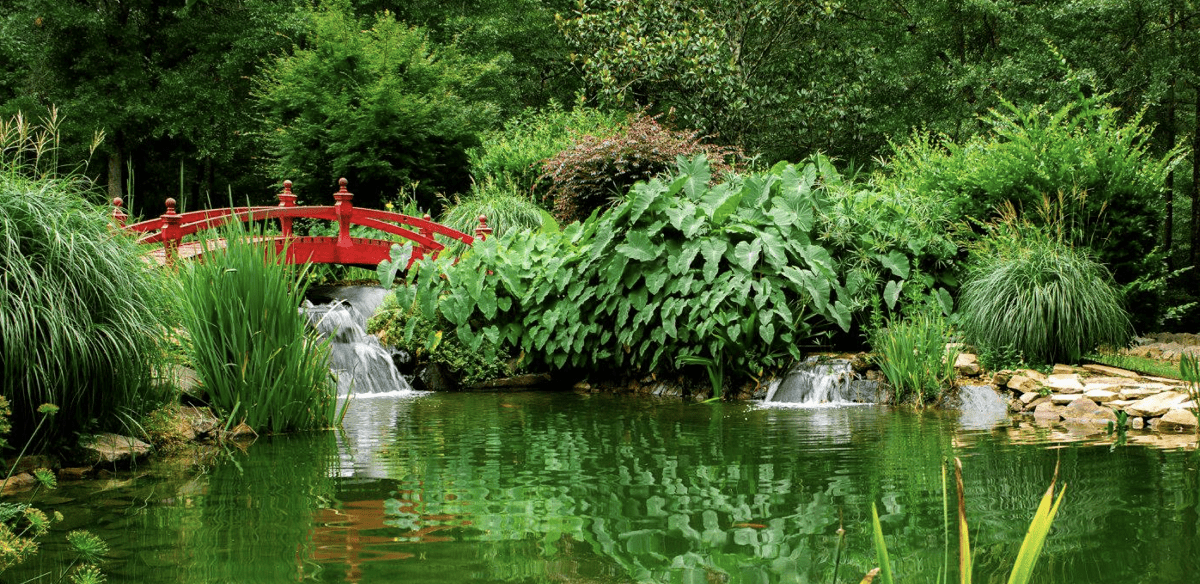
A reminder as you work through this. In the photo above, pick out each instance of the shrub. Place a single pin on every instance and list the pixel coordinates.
(380, 103)
(598, 169)
(507, 210)
(432, 342)
(1047, 301)
(1097, 173)
(729, 275)
(513, 157)
(81, 313)
(250, 345)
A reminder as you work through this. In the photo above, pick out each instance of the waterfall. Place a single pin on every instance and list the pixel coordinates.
(363, 366)
(820, 382)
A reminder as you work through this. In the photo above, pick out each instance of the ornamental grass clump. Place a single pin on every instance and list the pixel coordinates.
(81, 318)
(912, 355)
(1046, 300)
(250, 345)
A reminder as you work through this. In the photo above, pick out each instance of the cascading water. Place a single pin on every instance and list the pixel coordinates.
(362, 364)
(821, 382)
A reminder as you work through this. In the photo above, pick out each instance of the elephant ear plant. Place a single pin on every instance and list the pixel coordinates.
(730, 275)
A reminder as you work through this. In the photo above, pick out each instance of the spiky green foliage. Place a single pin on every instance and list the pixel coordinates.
(506, 208)
(249, 344)
(1047, 300)
(81, 312)
(912, 354)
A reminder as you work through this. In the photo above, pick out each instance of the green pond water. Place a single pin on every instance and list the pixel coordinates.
(560, 487)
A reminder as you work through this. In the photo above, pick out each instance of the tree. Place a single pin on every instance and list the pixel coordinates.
(382, 106)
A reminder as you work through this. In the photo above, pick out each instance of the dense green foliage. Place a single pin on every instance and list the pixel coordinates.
(733, 273)
(1048, 301)
(913, 356)
(251, 348)
(505, 208)
(433, 342)
(377, 102)
(513, 155)
(597, 170)
(81, 312)
(1091, 176)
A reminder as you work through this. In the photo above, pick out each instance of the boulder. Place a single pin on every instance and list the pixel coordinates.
(1000, 378)
(1156, 405)
(1060, 369)
(967, 364)
(1140, 392)
(1086, 411)
(111, 448)
(1062, 399)
(1177, 420)
(1029, 396)
(1041, 399)
(19, 482)
(1137, 423)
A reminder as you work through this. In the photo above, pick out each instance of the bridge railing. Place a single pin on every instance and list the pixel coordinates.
(171, 227)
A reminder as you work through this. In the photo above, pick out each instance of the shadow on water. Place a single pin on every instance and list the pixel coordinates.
(559, 487)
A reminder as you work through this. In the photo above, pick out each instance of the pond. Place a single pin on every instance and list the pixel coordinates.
(566, 487)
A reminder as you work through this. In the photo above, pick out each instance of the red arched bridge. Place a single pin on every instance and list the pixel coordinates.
(172, 227)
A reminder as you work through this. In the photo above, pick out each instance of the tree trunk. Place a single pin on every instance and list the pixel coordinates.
(115, 176)
(1195, 246)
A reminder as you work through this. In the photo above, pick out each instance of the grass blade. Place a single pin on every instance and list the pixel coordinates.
(1031, 548)
(881, 553)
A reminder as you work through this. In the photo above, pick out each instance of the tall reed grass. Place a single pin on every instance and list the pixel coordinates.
(912, 355)
(82, 315)
(1047, 300)
(250, 345)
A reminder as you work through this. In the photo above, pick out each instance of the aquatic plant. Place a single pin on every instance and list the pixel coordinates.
(1189, 369)
(82, 314)
(506, 208)
(1027, 554)
(1049, 301)
(249, 344)
(912, 354)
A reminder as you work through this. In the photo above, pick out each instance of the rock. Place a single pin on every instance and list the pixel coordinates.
(111, 448)
(1048, 411)
(1022, 383)
(518, 381)
(1086, 411)
(434, 377)
(1044, 399)
(1015, 405)
(1106, 370)
(241, 432)
(1062, 399)
(1060, 369)
(1029, 396)
(1064, 383)
(31, 461)
(1137, 423)
(1121, 404)
(1177, 420)
(1100, 396)
(75, 473)
(1138, 392)
(1037, 376)
(967, 364)
(198, 423)
(582, 386)
(1156, 405)
(19, 482)
(1000, 378)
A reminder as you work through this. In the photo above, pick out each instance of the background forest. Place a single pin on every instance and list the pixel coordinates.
(421, 102)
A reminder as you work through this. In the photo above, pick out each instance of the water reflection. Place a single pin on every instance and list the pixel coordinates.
(567, 488)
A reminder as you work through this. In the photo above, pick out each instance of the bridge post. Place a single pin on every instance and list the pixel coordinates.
(286, 199)
(483, 231)
(420, 251)
(170, 229)
(344, 210)
(118, 215)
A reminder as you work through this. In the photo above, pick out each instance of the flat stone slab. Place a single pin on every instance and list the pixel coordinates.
(1156, 405)
(1101, 396)
(1064, 383)
(1022, 383)
(1048, 411)
(1029, 396)
(1177, 419)
(1114, 371)
(108, 448)
(1086, 411)
(1062, 399)
(1136, 393)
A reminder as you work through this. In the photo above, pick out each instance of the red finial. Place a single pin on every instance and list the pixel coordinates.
(287, 187)
(170, 206)
(118, 215)
(483, 230)
(428, 217)
(342, 184)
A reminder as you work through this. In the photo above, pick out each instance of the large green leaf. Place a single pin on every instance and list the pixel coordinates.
(682, 261)
(746, 254)
(891, 293)
(896, 262)
(638, 247)
(720, 202)
(713, 249)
